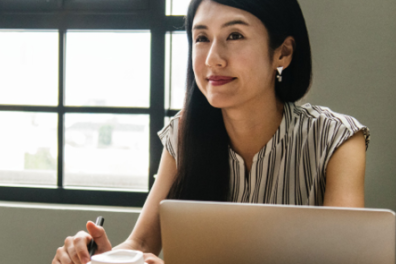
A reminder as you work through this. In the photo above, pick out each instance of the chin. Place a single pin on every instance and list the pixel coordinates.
(220, 102)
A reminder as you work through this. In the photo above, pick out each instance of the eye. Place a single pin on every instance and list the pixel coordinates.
(235, 36)
(201, 39)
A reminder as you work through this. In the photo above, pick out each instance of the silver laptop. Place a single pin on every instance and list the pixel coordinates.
(209, 232)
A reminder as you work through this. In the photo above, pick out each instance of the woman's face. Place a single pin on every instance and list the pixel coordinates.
(231, 59)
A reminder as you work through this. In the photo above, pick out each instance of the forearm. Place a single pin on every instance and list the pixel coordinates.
(127, 245)
(135, 244)
(131, 244)
(149, 257)
(146, 236)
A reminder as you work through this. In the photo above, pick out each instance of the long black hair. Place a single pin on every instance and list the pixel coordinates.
(203, 155)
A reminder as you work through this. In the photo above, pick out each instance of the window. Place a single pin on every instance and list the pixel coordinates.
(29, 67)
(108, 68)
(84, 88)
(176, 7)
(175, 69)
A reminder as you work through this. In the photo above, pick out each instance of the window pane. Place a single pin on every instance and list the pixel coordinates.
(176, 7)
(176, 69)
(29, 67)
(108, 68)
(166, 120)
(107, 151)
(28, 148)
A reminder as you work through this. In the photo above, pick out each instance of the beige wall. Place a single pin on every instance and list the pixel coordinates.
(31, 233)
(354, 67)
(354, 54)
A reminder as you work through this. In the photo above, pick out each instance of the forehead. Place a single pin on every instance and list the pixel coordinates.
(213, 14)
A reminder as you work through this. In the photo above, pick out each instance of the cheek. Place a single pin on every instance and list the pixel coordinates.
(256, 64)
(197, 60)
(198, 63)
(245, 65)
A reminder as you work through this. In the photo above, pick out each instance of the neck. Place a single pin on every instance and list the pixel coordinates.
(249, 132)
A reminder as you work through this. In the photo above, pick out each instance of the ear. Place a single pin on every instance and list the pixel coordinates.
(284, 53)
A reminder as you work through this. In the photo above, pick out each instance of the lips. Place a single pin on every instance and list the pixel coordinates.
(220, 80)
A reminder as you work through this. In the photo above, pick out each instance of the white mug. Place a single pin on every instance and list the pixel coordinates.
(119, 256)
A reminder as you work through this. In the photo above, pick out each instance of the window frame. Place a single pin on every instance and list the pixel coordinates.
(151, 17)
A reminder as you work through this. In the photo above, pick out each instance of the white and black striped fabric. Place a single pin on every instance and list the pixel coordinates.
(291, 167)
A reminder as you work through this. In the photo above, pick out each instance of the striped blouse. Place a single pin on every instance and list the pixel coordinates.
(291, 167)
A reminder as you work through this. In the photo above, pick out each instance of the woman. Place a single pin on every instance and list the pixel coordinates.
(239, 136)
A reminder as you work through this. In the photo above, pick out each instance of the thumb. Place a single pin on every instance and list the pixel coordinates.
(99, 236)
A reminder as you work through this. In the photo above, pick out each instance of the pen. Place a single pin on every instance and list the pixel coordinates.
(92, 245)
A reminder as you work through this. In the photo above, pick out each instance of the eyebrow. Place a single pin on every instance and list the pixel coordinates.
(228, 24)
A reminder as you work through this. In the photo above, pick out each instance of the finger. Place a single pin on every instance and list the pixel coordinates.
(79, 248)
(147, 255)
(62, 257)
(70, 249)
(55, 261)
(99, 235)
(56, 258)
(150, 258)
(73, 255)
(153, 261)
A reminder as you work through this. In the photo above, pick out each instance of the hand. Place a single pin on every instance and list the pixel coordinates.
(152, 259)
(75, 250)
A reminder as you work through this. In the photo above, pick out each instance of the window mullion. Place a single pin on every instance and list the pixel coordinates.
(156, 99)
(61, 109)
(157, 86)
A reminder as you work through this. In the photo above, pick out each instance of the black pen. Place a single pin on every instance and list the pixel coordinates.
(92, 245)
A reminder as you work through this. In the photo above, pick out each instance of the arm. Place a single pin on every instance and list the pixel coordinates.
(345, 174)
(146, 236)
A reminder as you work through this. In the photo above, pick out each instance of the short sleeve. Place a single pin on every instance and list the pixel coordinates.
(341, 128)
(169, 135)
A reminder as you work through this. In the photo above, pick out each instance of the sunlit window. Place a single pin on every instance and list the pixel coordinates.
(176, 69)
(106, 151)
(29, 67)
(177, 7)
(107, 68)
(81, 97)
(28, 148)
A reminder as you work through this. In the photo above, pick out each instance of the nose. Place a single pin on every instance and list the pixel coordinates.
(216, 56)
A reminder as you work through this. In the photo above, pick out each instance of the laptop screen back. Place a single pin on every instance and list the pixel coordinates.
(205, 232)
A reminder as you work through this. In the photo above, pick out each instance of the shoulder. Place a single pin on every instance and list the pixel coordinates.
(317, 113)
(172, 125)
(169, 135)
(336, 126)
